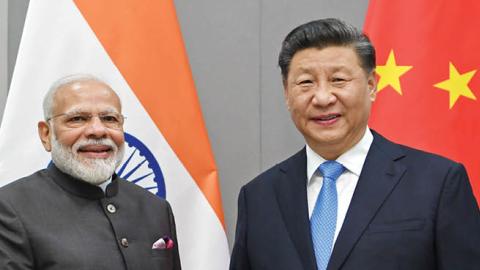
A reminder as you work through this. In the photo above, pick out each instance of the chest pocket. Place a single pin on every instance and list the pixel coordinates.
(397, 226)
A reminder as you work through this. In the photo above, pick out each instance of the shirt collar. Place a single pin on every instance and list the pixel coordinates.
(352, 160)
(104, 185)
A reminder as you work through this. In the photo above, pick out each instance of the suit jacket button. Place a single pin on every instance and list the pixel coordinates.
(124, 242)
(111, 208)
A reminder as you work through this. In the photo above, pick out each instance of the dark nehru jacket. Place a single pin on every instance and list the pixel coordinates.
(49, 220)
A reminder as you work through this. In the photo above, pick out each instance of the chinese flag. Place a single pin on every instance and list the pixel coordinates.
(428, 81)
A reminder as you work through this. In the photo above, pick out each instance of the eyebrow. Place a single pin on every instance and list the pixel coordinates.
(332, 69)
(335, 67)
(80, 111)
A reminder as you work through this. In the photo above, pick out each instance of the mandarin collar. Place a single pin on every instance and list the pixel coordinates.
(81, 188)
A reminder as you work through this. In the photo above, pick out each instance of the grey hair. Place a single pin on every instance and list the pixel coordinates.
(60, 83)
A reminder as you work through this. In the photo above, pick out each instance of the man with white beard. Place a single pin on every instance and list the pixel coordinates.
(77, 214)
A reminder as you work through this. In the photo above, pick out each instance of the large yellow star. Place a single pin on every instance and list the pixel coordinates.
(457, 85)
(390, 74)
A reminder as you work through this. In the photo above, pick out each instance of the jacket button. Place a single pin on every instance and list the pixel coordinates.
(111, 208)
(124, 242)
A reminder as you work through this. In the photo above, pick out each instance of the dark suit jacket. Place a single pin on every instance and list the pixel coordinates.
(51, 221)
(410, 210)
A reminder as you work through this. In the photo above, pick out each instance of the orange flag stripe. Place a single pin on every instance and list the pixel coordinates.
(145, 43)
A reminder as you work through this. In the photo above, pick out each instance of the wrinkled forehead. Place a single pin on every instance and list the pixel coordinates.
(86, 96)
(334, 58)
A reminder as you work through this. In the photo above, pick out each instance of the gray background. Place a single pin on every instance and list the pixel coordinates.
(233, 48)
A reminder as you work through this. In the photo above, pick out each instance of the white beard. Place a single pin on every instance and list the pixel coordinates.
(91, 170)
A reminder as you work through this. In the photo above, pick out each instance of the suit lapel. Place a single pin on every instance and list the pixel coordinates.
(291, 193)
(379, 176)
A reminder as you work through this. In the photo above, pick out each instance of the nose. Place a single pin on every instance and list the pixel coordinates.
(323, 95)
(95, 128)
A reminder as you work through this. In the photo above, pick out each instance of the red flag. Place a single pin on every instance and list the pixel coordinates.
(428, 79)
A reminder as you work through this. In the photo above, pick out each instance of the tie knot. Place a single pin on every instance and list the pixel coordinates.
(331, 169)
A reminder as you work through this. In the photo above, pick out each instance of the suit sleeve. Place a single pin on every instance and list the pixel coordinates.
(458, 223)
(173, 231)
(15, 250)
(239, 259)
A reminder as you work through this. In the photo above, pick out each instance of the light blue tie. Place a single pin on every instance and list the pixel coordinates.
(324, 216)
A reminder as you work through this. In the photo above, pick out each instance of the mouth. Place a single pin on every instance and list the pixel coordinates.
(327, 119)
(96, 151)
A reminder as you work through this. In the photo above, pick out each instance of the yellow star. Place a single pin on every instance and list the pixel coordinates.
(457, 85)
(390, 74)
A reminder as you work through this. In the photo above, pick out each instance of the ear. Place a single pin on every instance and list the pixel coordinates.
(372, 85)
(44, 131)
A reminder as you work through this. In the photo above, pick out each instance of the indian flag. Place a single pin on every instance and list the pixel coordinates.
(137, 48)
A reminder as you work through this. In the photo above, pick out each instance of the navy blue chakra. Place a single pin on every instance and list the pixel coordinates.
(140, 167)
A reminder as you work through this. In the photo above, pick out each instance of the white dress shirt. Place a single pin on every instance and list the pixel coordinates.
(353, 161)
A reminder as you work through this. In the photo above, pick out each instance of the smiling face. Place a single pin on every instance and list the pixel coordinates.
(329, 97)
(82, 134)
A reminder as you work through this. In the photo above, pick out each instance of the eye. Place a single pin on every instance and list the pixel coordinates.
(77, 119)
(338, 79)
(303, 82)
(110, 118)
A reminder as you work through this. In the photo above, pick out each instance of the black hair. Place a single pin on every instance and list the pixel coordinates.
(325, 33)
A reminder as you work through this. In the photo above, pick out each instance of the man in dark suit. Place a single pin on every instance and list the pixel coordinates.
(77, 214)
(350, 199)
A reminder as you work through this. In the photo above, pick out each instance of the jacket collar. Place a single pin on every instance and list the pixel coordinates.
(291, 193)
(81, 188)
(380, 174)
